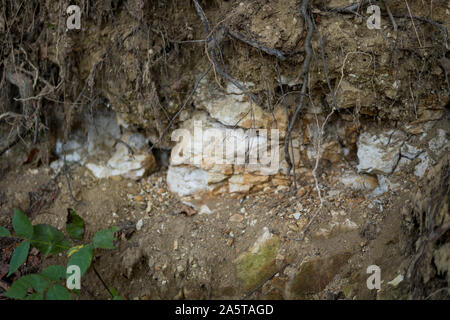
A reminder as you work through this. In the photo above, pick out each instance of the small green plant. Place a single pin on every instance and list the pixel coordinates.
(49, 240)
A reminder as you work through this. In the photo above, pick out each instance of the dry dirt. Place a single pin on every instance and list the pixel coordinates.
(177, 256)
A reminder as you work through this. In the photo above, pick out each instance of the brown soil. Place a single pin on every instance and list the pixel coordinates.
(177, 256)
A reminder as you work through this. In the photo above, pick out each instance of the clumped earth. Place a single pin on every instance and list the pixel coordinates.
(382, 168)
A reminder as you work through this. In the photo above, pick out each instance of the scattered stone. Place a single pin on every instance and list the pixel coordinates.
(204, 209)
(236, 218)
(139, 225)
(149, 207)
(139, 198)
(187, 210)
(180, 268)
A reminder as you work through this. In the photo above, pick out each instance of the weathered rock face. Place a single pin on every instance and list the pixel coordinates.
(221, 149)
(379, 153)
(256, 265)
(233, 108)
(364, 182)
(186, 180)
(442, 260)
(107, 152)
(143, 79)
(384, 153)
(314, 275)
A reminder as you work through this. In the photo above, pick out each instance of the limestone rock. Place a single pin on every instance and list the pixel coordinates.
(259, 262)
(439, 144)
(243, 183)
(186, 180)
(409, 151)
(422, 167)
(379, 153)
(123, 163)
(233, 108)
(216, 155)
(105, 151)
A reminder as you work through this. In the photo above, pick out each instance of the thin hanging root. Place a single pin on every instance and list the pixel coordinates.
(444, 47)
(25, 86)
(391, 17)
(256, 45)
(6, 144)
(212, 53)
(314, 173)
(303, 75)
(351, 9)
(325, 68)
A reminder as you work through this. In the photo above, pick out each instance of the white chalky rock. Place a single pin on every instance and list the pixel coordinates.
(139, 225)
(439, 144)
(422, 167)
(266, 235)
(379, 153)
(409, 151)
(186, 181)
(233, 108)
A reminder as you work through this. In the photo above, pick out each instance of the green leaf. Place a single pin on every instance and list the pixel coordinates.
(22, 225)
(103, 239)
(18, 289)
(113, 291)
(4, 232)
(82, 258)
(19, 257)
(54, 273)
(58, 292)
(37, 282)
(114, 294)
(74, 225)
(49, 240)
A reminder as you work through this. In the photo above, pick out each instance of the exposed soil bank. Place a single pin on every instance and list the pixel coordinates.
(107, 98)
